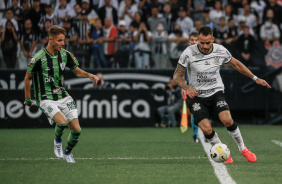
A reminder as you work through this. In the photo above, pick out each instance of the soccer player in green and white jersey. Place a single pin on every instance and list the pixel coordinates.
(46, 69)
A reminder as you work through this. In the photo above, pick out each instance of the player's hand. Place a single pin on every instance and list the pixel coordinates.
(94, 78)
(262, 82)
(184, 94)
(28, 103)
(192, 92)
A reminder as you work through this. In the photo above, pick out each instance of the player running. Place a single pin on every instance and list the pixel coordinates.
(206, 89)
(46, 69)
(193, 39)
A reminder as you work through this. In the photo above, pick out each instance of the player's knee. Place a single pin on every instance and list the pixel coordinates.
(227, 121)
(206, 130)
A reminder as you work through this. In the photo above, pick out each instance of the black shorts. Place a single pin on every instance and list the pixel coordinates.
(209, 107)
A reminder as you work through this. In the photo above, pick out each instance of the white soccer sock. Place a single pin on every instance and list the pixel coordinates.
(236, 135)
(215, 139)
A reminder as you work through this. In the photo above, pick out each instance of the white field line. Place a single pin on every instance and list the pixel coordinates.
(279, 143)
(110, 158)
(220, 169)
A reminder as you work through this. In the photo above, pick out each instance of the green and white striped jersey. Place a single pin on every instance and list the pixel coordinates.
(48, 72)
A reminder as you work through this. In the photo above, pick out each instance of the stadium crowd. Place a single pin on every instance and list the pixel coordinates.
(137, 33)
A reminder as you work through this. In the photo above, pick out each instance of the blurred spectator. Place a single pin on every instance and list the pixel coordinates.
(108, 11)
(64, 11)
(110, 35)
(154, 3)
(251, 19)
(49, 15)
(25, 8)
(28, 40)
(207, 21)
(70, 3)
(18, 13)
(269, 32)
(136, 21)
(126, 11)
(228, 12)
(258, 6)
(78, 11)
(245, 47)
(44, 33)
(9, 44)
(35, 14)
(197, 9)
(221, 32)
(96, 38)
(87, 11)
(159, 46)
(9, 16)
(142, 37)
(114, 3)
(155, 19)
(232, 32)
(71, 35)
(102, 84)
(83, 51)
(123, 42)
(242, 24)
(169, 18)
(216, 13)
(174, 7)
(185, 22)
(198, 25)
(2, 8)
(272, 4)
(174, 104)
(178, 41)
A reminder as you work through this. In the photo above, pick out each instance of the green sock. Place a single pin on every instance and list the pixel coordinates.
(59, 130)
(72, 140)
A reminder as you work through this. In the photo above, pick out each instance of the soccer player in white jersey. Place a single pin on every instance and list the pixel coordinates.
(206, 89)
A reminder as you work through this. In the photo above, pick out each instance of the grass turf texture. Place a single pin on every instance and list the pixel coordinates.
(135, 155)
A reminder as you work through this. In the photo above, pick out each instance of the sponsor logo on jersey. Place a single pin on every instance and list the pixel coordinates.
(57, 90)
(62, 65)
(195, 53)
(221, 103)
(64, 54)
(49, 79)
(206, 91)
(44, 59)
(47, 69)
(196, 106)
(216, 60)
(31, 63)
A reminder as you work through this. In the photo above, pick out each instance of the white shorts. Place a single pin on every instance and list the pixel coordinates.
(66, 105)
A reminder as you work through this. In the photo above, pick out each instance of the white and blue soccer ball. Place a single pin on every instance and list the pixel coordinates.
(219, 152)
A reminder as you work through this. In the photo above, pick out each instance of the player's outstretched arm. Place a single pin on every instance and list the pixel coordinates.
(244, 70)
(179, 79)
(27, 86)
(83, 74)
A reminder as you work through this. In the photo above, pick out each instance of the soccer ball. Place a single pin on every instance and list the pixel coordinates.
(219, 152)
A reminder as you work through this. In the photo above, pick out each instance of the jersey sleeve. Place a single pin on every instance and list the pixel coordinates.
(72, 62)
(227, 56)
(33, 65)
(184, 59)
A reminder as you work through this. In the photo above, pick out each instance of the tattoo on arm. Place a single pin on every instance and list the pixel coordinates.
(179, 77)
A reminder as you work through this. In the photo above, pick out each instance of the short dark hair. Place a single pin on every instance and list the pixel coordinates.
(194, 34)
(205, 30)
(56, 30)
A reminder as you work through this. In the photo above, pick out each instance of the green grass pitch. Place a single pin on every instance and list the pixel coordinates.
(135, 155)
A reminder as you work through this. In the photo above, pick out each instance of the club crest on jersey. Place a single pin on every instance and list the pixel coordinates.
(62, 65)
(216, 60)
(57, 90)
(31, 63)
(196, 106)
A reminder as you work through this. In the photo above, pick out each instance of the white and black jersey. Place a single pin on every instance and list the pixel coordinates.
(53, 18)
(203, 69)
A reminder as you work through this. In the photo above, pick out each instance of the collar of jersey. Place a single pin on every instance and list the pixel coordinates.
(204, 53)
(55, 56)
